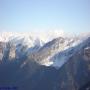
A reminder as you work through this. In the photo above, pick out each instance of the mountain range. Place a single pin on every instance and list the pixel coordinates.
(53, 61)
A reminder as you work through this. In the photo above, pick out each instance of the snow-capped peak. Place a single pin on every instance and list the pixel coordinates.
(30, 37)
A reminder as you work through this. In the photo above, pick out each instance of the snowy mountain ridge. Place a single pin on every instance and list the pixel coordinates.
(52, 50)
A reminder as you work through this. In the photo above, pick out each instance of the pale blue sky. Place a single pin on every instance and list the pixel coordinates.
(31, 15)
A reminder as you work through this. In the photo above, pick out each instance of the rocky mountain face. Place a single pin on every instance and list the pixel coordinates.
(60, 64)
(1, 50)
(73, 75)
